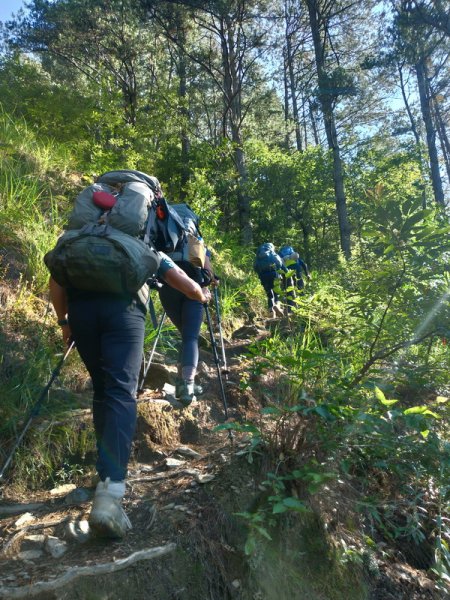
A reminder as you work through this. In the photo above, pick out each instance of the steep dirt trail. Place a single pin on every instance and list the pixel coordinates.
(187, 483)
(178, 462)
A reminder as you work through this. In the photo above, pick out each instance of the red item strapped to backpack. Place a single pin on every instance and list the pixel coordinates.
(104, 200)
(160, 213)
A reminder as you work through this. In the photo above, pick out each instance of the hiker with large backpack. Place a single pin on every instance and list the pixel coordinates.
(98, 287)
(294, 263)
(268, 265)
(186, 313)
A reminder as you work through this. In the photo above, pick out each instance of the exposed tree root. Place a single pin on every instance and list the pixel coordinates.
(34, 589)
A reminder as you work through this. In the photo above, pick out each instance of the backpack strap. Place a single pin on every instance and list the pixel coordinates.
(147, 228)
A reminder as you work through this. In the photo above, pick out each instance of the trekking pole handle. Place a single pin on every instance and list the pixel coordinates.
(207, 294)
(154, 283)
(206, 278)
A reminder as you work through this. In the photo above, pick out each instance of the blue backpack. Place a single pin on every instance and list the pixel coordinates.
(267, 259)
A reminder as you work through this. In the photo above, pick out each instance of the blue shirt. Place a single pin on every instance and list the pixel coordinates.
(165, 264)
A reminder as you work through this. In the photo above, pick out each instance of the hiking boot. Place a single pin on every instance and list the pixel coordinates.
(187, 393)
(180, 387)
(108, 518)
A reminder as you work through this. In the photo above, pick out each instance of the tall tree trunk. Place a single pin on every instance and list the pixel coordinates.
(407, 107)
(287, 136)
(293, 90)
(129, 95)
(183, 102)
(295, 113)
(326, 101)
(305, 130)
(233, 108)
(443, 137)
(313, 123)
(424, 96)
(415, 133)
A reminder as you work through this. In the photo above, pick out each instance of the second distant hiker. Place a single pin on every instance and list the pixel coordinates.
(267, 265)
(297, 267)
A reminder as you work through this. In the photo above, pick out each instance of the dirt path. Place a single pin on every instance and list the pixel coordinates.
(186, 485)
(48, 551)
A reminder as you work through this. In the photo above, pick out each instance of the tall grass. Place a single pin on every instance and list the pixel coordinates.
(38, 156)
(30, 171)
(29, 351)
(241, 295)
(29, 216)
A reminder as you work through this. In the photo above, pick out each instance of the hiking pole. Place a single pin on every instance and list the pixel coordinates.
(217, 361)
(36, 408)
(225, 370)
(150, 358)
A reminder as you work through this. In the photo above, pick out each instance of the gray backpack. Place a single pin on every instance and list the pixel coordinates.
(106, 247)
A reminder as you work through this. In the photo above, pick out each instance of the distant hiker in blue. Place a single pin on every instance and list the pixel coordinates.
(293, 262)
(267, 265)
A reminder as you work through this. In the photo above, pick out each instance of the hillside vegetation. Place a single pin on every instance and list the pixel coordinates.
(342, 406)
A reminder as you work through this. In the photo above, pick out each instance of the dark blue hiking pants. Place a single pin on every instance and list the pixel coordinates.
(109, 334)
(187, 316)
(288, 284)
(268, 281)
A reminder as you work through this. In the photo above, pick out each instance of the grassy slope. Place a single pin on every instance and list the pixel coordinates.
(34, 184)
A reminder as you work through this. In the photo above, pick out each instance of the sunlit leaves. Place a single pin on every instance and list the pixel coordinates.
(421, 410)
(382, 398)
(290, 504)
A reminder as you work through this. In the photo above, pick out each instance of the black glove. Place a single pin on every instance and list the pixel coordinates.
(206, 277)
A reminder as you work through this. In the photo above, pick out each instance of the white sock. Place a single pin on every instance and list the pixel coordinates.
(116, 489)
